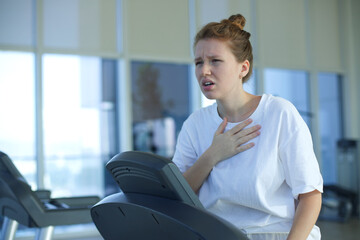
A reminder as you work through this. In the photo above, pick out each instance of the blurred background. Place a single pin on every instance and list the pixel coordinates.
(82, 80)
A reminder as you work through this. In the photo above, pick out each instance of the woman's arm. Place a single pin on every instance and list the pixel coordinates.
(224, 145)
(306, 215)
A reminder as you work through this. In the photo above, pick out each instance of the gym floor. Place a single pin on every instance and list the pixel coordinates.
(349, 230)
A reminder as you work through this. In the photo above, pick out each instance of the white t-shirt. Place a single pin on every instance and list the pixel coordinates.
(256, 189)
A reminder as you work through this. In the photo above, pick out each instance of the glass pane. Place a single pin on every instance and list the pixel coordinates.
(17, 107)
(291, 85)
(78, 113)
(109, 120)
(330, 117)
(161, 103)
(16, 22)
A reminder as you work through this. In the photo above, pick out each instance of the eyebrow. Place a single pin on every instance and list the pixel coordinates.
(210, 57)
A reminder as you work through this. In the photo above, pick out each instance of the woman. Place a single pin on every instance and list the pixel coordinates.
(268, 185)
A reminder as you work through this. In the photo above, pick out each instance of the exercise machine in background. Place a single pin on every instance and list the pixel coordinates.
(19, 204)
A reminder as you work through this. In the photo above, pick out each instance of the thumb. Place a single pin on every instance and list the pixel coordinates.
(221, 127)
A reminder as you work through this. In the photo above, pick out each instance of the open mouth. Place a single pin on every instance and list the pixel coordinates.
(208, 84)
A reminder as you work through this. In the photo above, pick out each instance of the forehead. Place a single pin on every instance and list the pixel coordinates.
(211, 47)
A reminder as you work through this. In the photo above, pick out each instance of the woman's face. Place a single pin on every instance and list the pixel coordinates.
(218, 73)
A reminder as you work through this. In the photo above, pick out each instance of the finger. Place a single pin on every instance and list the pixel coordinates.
(240, 126)
(221, 127)
(245, 147)
(247, 131)
(247, 138)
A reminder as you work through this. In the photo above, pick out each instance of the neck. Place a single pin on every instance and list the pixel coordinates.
(239, 109)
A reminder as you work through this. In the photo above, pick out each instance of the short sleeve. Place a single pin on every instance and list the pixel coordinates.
(185, 154)
(301, 167)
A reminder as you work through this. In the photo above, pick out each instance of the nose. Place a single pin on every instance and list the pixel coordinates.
(205, 70)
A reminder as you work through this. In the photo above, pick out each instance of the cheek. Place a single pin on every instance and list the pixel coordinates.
(232, 73)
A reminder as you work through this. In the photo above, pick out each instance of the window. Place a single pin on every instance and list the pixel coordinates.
(79, 122)
(17, 107)
(161, 103)
(291, 85)
(330, 117)
(77, 128)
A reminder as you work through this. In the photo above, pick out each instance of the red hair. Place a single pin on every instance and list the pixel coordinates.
(232, 32)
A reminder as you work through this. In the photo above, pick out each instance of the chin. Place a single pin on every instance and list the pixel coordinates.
(210, 97)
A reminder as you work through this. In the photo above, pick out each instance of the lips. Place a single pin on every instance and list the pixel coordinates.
(207, 84)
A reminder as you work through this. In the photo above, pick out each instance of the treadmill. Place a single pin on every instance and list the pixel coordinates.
(155, 203)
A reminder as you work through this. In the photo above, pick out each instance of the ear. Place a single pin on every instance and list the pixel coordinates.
(245, 65)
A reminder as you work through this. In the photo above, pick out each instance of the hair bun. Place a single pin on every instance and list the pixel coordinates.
(239, 20)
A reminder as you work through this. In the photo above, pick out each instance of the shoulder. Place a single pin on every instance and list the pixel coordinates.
(282, 112)
(200, 123)
(281, 108)
(276, 103)
(202, 115)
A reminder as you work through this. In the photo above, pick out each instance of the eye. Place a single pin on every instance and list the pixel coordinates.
(197, 63)
(215, 60)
